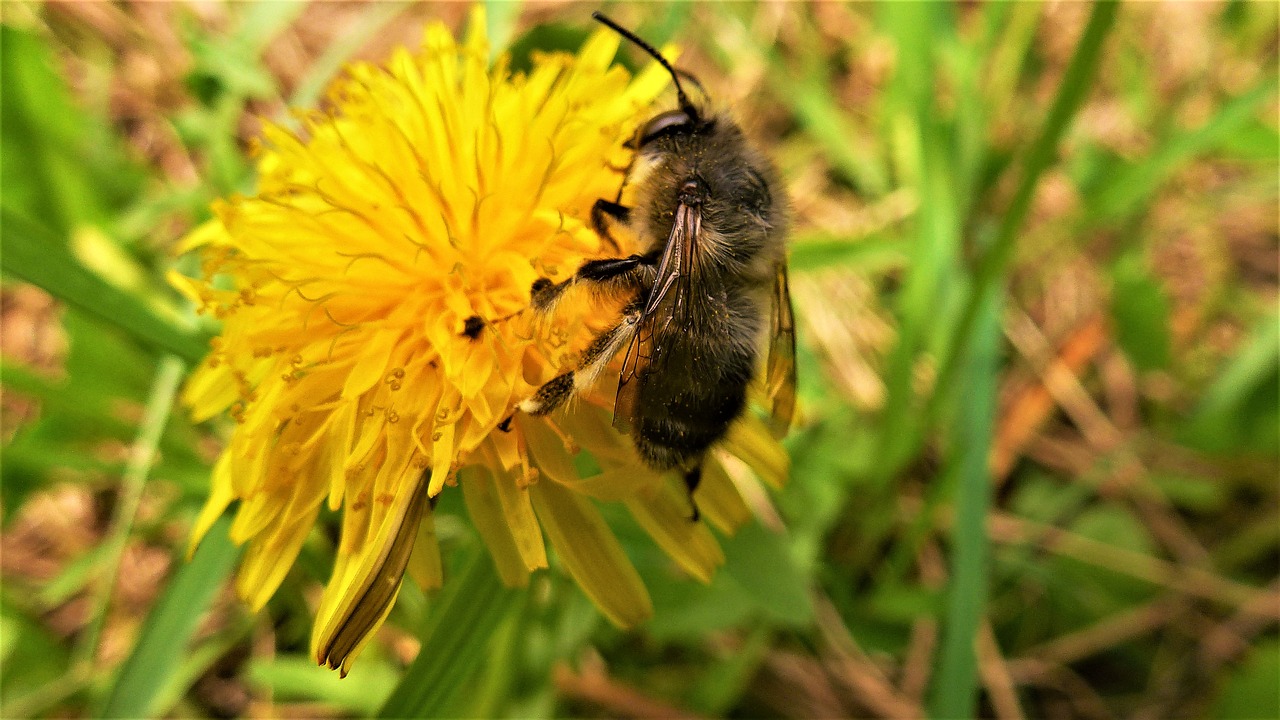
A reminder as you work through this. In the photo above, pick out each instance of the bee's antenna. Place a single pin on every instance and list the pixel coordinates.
(683, 99)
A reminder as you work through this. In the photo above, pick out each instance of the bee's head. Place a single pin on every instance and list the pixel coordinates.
(684, 120)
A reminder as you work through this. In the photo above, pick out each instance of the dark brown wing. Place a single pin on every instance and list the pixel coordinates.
(780, 376)
(653, 314)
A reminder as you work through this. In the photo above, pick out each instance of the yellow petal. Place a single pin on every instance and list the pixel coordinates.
(591, 554)
(425, 566)
(485, 509)
(751, 440)
(220, 496)
(361, 601)
(517, 508)
(719, 500)
(665, 513)
(616, 483)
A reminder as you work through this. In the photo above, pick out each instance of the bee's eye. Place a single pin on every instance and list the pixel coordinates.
(672, 122)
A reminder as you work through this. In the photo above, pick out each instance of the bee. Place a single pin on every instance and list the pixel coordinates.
(710, 283)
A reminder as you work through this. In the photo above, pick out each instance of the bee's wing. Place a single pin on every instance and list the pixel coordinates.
(654, 314)
(780, 377)
(634, 362)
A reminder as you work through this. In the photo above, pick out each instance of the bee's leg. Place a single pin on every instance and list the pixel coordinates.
(628, 272)
(598, 354)
(692, 477)
(615, 210)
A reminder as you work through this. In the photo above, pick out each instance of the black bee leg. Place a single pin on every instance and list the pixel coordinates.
(617, 211)
(550, 396)
(692, 477)
(628, 272)
(598, 354)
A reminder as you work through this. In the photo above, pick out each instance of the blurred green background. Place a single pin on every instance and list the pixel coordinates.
(1035, 270)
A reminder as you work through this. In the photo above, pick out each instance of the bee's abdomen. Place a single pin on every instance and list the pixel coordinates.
(687, 404)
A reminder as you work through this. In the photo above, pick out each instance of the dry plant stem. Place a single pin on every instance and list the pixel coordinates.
(1086, 701)
(1063, 384)
(1133, 479)
(1120, 388)
(804, 687)
(856, 671)
(1110, 632)
(1033, 406)
(918, 662)
(995, 675)
(1230, 639)
(615, 698)
(1193, 581)
(1067, 455)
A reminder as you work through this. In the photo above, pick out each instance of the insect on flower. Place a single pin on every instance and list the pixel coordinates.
(710, 280)
(384, 296)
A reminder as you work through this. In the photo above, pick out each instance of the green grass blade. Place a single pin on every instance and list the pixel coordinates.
(843, 144)
(818, 251)
(1125, 190)
(456, 641)
(1076, 83)
(134, 480)
(1239, 409)
(34, 254)
(934, 261)
(956, 690)
(298, 677)
(168, 629)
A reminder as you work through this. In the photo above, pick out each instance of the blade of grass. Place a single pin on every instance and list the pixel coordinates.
(134, 480)
(1076, 82)
(956, 689)
(455, 642)
(297, 677)
(33, 254)
(169, 627)
(501, 19)
(869, 254)
(1222, 417)
(934, 261)
(846, 146)
(1125, 190)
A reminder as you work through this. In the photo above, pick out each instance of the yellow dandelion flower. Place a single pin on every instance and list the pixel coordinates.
(374, 297)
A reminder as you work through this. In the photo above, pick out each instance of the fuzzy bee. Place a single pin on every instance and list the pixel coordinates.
(710, 284)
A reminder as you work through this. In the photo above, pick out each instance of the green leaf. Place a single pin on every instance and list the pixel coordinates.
(456, 641)
(1125, 190)
(686, 610)
(955, 691)
(170, 625)
(1250, 691)
(869, 254)
(34, 661)
(297, 677)
(1076, 83)
(34, 254)
(1140, 312)
(761, 561)
(57, 162)
(1241, 408)
(926, 160)
(1199, 494)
